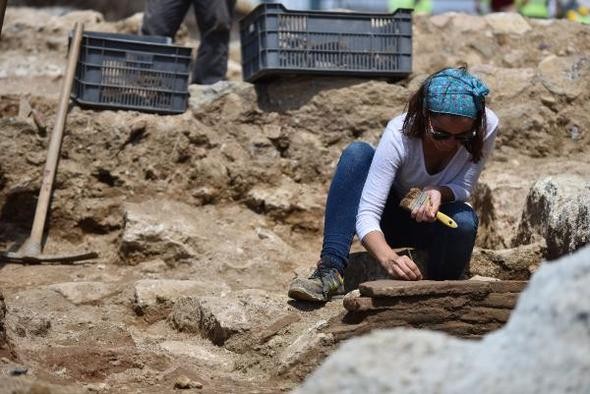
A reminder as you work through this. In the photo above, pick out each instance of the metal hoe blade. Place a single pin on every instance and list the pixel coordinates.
(16, 257)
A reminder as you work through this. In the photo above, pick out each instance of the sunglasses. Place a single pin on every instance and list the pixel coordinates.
(440, 135)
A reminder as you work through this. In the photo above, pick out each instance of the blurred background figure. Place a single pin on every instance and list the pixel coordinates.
(486, 6)
(574, 10)
(214, 19)
(419, 6)
(533, 8)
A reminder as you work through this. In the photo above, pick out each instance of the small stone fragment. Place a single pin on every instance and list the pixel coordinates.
(182, 382)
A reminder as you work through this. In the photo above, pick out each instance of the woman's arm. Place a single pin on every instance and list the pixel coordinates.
(387, 159)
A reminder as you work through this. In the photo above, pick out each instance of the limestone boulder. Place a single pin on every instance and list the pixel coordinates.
(100, 216)
(203, 95)
(159, 228)
(516, 263)
(32, 316)
(289, 202)
(302, 345)
(153, 298)
(557, 212)
(84, 292)
(507, 23)
(565, 76)
(219, 318)
(209, 241)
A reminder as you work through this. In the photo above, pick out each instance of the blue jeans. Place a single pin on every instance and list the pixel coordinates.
(449, 249)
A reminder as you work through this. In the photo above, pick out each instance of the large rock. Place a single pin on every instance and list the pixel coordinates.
(153, 298)
(549, 316)
(100, 216)
(160, 228)
(516, 263)
(557, 212)
(308, 340)
(202, 95)
(507, 23)
(227, 242)
(206, 237)
(565, 76)
(27, 324)
(219, 318)
(289, 202)
(84, 292)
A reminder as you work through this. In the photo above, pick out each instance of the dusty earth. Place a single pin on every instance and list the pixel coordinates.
(201, 220)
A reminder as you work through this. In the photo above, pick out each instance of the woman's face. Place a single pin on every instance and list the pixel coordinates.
(447, 131)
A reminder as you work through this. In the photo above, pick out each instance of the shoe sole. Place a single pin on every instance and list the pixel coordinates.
(299, 293)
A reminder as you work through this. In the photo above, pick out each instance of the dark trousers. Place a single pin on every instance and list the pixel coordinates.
(214, 17)
(449, 250)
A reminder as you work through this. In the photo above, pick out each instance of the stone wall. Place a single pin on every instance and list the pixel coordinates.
(468, 308)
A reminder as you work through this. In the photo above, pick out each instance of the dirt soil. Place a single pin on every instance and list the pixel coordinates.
(201, 220)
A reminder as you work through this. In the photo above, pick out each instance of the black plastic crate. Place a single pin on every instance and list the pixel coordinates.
(122, 71)
(280, 41)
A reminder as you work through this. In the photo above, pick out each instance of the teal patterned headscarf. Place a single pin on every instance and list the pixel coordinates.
(454, 91)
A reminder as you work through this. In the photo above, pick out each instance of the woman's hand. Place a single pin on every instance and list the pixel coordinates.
(401, 267)
(427, 211)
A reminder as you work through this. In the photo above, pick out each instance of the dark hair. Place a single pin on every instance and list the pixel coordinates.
(416, 116)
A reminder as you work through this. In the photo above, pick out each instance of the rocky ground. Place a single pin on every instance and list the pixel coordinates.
(549, 316)
(200, 220)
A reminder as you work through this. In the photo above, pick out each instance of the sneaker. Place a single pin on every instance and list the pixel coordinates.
(324, 283)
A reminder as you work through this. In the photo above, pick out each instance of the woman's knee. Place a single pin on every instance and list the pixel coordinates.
(358, 153)
(466, 219)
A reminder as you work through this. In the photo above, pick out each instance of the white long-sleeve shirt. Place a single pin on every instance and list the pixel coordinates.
(399, 163)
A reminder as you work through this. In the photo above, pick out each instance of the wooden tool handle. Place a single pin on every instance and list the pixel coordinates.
(444, 219)
(56, 138)
(2, 11)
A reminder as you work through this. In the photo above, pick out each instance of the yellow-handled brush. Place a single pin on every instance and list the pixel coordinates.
(416, 198)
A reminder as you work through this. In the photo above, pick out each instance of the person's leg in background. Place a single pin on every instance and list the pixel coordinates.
(163, 17)
(339, 225)
(449, 249)
(214, 18)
